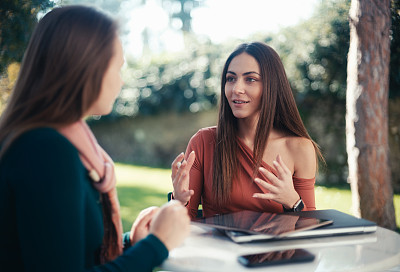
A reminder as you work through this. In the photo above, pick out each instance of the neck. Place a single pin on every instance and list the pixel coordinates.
(247, 130)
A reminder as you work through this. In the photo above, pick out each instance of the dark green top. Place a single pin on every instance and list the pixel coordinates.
(51, 216)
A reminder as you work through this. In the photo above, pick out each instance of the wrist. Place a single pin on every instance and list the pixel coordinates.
(291, 201)
(297, 206)
(183, 202)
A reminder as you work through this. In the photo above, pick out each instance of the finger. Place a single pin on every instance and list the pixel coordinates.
(265, 184)
(180, 176)
(183, 172)
(174, 165)
(279, 169)
(146, 219)
(188, 194)
(282, 164)
(146, 211)
(190, 160)
(179, 171)
(178, 159)
(267, 196)
(270, 176)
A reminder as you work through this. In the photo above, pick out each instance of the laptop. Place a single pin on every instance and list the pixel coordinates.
(247, 226)
(343, 223)
(318, 223)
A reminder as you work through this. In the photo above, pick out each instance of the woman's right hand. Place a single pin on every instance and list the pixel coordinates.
(180, 177)
(171, 224)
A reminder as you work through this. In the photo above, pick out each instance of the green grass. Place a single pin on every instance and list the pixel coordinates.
(141, 187)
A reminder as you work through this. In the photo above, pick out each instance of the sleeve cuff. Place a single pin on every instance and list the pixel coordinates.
(126, 240)
(160, 250)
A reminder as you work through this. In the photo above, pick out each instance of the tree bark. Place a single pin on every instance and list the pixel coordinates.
(367, 111)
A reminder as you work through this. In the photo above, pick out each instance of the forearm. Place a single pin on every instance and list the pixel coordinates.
(145, 255)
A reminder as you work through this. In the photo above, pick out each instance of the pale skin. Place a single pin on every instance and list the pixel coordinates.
(289, 156)
(180, 177)
(171, 222)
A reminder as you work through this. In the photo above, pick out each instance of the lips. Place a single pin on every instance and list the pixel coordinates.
(236, 101)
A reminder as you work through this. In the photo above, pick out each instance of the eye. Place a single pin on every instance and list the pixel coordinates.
(251, 79)
(230, 79)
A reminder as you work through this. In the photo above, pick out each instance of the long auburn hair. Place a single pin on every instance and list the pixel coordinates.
(278, 110)
(60, 79)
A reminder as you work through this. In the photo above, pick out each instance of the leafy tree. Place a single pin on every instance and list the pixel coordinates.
(17, 20)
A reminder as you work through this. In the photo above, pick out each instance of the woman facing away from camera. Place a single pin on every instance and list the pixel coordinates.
(259, 156)
(58, 203)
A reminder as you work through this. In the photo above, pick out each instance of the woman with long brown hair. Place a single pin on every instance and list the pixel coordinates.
(58, 201)
(259, 156)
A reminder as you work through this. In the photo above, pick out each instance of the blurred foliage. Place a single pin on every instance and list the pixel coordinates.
(187, 81)
(109, 6)
(12, 74)
(17, 20)
(394, 82)
(181, 10)
(7, 82)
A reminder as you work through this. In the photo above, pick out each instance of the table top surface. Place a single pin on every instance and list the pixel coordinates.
(207, 250)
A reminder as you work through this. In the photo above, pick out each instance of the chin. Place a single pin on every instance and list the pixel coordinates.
(239, 116)
(102, 113)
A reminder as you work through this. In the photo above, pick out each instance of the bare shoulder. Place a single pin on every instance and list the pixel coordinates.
(302, 152)
(299, 145)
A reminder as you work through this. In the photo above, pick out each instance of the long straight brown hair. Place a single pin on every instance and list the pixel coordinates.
(278, 110)
(60, 79)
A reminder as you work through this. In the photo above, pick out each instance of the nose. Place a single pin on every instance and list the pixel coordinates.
(238, 88)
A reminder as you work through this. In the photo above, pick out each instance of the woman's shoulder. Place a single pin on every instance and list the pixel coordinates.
(206, 133)
(299, 144)
(41, 140)
(45, 136)
(40, 152)
(304, 157)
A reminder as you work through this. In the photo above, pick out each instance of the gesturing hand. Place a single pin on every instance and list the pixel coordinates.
(141, 226)
(180, 177)
(280, 187)
(171, 224)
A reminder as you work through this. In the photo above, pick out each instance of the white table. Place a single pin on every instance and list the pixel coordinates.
(207, 250)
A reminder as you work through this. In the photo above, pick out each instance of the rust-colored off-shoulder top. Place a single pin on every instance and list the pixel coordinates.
(203, 143)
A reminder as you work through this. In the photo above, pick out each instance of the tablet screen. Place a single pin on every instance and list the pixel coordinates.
(269, 224)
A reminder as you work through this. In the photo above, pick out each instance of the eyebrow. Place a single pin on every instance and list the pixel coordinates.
(245, 74)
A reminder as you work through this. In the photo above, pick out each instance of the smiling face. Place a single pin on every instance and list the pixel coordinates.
(111, 83)
(243, 87)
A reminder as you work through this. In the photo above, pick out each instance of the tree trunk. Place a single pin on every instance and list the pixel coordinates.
(367, 111)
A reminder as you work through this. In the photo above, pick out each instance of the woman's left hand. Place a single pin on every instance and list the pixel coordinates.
(141, 226)
(280, 187)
